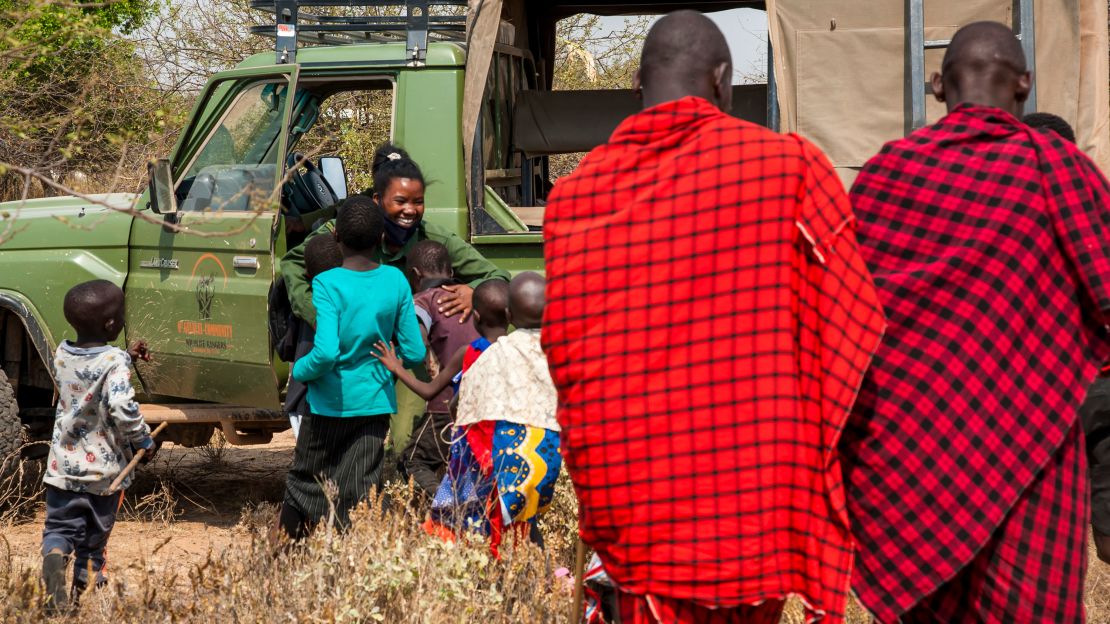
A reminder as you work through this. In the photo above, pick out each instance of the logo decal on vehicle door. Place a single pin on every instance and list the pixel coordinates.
(203, 336)
(205, 293)
(206, 284)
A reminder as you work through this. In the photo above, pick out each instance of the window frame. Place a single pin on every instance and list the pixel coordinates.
(522, 75)
(239, 94)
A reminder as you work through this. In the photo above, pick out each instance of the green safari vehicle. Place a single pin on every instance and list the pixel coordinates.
(198, 253)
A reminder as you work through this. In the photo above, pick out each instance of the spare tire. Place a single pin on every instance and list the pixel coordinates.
(11, 429)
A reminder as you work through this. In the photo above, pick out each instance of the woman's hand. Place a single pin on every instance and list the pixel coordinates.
(388, 357)
(459, 298)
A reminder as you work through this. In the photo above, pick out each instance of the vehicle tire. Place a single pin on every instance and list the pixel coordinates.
(38, 429)
(11, 429)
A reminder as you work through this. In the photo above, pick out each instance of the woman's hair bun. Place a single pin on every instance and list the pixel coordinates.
(387, 152)
(390, 163)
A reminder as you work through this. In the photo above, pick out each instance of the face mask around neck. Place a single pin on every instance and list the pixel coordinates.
(397, 235)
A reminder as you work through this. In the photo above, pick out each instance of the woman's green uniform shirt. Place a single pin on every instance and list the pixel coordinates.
(469, 265)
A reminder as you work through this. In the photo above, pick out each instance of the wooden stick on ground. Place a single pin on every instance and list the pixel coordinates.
(579, 582)
(134, 460)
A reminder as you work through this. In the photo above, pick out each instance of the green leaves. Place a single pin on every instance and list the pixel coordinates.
(76, 100)
(589, 55)
(43, 37)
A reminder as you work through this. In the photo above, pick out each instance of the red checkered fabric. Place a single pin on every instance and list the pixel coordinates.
(708, 322)
(1031, 570)
(654, 610)
(988, 242)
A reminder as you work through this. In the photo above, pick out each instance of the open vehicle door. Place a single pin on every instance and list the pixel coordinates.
(199, 277)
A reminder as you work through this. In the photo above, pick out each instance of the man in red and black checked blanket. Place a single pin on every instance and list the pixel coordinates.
(709, 321)
(988, 241)
(1094, 414)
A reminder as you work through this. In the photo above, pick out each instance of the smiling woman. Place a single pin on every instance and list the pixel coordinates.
(399, 190)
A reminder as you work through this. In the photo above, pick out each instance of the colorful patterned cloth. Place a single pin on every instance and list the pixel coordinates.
(476, 348)
(526, 463)
(501, 472)
(500, 475)
(708, 322)
(510, 382)
(97, 423)
(462, 501)
(988, 242)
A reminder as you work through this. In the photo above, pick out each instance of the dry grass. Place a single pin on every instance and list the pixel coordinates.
(385, 569)
(20, 486)
(215, 452)
(158, 506)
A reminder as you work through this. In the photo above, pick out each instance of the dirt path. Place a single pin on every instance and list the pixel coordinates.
(188, 503)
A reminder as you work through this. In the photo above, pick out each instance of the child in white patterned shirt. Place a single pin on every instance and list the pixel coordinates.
(96, 430)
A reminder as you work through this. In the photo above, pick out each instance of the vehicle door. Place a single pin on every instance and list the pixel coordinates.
(199, 279)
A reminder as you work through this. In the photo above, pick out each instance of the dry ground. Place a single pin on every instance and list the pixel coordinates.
(191, 499)
(188, 544)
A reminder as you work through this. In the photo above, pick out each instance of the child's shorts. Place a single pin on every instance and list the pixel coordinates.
(79, 524)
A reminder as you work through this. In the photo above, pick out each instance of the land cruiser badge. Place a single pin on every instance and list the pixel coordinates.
(160, 263)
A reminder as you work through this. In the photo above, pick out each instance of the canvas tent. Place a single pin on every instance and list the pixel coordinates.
(839, 64)
(534, 26)
(841, 73)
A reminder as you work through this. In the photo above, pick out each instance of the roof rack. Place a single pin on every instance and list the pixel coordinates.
(415, 27)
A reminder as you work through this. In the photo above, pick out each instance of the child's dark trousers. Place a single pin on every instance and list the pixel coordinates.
(79, 525)
(1095, 416)
(425, 458)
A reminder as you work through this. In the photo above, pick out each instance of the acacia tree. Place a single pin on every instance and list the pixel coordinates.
(590, 56)
(91, 92)
(77, 108)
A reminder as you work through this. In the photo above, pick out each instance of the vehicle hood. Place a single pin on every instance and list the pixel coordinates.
(94, 221)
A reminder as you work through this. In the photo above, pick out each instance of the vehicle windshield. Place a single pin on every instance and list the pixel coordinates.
(237, 167)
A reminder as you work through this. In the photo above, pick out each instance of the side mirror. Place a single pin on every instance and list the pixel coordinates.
(162, 199)
(333, 170)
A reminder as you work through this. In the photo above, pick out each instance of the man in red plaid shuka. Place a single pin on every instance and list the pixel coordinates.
(988, 242)
(709, 321)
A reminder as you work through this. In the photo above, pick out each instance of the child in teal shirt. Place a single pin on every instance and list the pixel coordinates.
(350, 393)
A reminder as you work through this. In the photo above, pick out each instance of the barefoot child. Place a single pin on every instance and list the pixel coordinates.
(350, 394)
(429, 271)
(97, 428)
